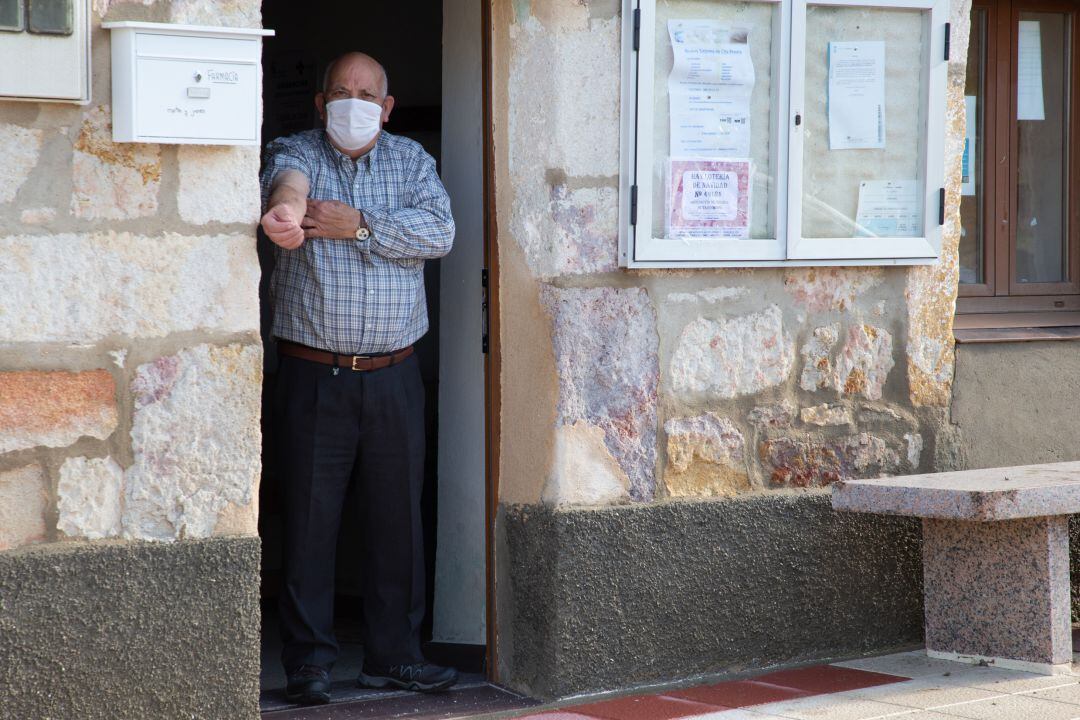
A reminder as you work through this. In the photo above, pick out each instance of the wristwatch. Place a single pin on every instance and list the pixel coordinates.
(362, 233)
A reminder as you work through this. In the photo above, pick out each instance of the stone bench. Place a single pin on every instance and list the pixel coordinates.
(995, 558)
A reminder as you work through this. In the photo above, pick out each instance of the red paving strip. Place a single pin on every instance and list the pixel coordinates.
(645, 707)
(687, 702)
(820, 679)
(738, 693)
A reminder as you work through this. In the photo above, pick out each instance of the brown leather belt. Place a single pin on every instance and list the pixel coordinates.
(359, 363)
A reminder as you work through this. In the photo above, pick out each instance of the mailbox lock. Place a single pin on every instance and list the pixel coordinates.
(198, 77)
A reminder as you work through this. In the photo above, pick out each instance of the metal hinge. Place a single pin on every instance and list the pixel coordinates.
(637, 29)
(948, 39)
(484, 310)
(633, 204)
(941, 207)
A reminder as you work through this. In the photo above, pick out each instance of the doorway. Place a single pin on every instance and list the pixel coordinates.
(432, 53)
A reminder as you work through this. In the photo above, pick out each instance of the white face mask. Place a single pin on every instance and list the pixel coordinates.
(352, 123)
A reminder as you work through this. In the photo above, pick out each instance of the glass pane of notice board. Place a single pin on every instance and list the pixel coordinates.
(714, 125)
(865, 123)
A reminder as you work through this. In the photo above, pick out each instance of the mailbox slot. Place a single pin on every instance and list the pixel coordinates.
(180, 84)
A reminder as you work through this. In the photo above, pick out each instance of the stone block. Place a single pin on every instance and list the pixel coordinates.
(584, 471)
(822, 415)
(84, 288)
(23, 503)
(196, 440)
(818, 372)
(37, 216)
(603, 384)
(218, 184)
(22, 148)
(55, 408)
(112, 181)
(778, 415)
(90, 498)
(824, 289)
(230, 13)
(728, 358)
(988, 494)
(813, 462)
(865, 361)
(706, 457)
(998, 590)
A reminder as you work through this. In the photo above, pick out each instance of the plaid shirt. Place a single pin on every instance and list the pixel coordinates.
(356, 297)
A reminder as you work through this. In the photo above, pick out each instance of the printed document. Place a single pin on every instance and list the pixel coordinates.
(967, 163)
(709, 89)
(889, 208)
(708, 198)
(856, 95)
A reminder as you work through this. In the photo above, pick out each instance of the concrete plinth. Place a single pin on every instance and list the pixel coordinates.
(999, 592)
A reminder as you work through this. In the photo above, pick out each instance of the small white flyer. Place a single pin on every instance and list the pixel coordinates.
(856, 95)
(967, 163)
(889, 208)
(1029, 75)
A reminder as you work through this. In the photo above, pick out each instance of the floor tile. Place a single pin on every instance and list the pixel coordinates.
(923, 693)
(644, 707)
(909, 664)
(1007, 681)
(1013, 707)
(832, 707)
(738, 693)
(1066, 693)
(827, 678)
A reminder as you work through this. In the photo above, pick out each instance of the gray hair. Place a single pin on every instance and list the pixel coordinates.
(333, 63)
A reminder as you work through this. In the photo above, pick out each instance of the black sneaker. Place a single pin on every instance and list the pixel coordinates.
(422, 677)
(309, 685)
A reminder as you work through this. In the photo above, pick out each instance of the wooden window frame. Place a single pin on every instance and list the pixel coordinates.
(1000, 294)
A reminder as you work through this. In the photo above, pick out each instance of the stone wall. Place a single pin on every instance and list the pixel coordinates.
(657, 386)
(130, 384)
(130, 366)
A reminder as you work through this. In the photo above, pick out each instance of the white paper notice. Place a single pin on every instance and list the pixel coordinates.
(889, 208)
(1029, 79)
(709, 89)
(856, 95)
(967, 163)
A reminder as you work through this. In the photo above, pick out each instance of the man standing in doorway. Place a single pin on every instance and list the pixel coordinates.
(354, 212)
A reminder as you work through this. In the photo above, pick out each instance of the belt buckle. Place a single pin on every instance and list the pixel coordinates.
(356, 358)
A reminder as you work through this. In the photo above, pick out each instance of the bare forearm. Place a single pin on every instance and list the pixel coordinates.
(288, 194)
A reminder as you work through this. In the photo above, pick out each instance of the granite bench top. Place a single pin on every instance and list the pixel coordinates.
(980, 495)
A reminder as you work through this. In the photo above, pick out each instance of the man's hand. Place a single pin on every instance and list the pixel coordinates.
(331, 219)
(282, 228)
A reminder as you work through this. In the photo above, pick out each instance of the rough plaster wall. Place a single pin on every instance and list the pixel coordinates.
(768, 378)
(130, 365)
(1007, 396)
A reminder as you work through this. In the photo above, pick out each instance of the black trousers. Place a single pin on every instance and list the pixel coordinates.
(333, 431)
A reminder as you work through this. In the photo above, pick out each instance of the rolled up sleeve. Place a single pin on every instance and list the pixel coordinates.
(281, 155)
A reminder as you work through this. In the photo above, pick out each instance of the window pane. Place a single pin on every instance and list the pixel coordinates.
(727, 47)
(972, 237)
(11, 15)
(1042, 119)
(51, 17)
(874, 148)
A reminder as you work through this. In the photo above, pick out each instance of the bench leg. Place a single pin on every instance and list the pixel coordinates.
(999, 592)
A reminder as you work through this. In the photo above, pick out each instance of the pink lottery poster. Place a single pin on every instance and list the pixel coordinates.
(708, 198)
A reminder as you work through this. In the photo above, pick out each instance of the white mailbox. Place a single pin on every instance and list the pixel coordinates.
(186, 84)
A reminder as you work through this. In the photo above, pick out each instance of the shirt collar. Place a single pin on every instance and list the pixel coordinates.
(369, 161)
